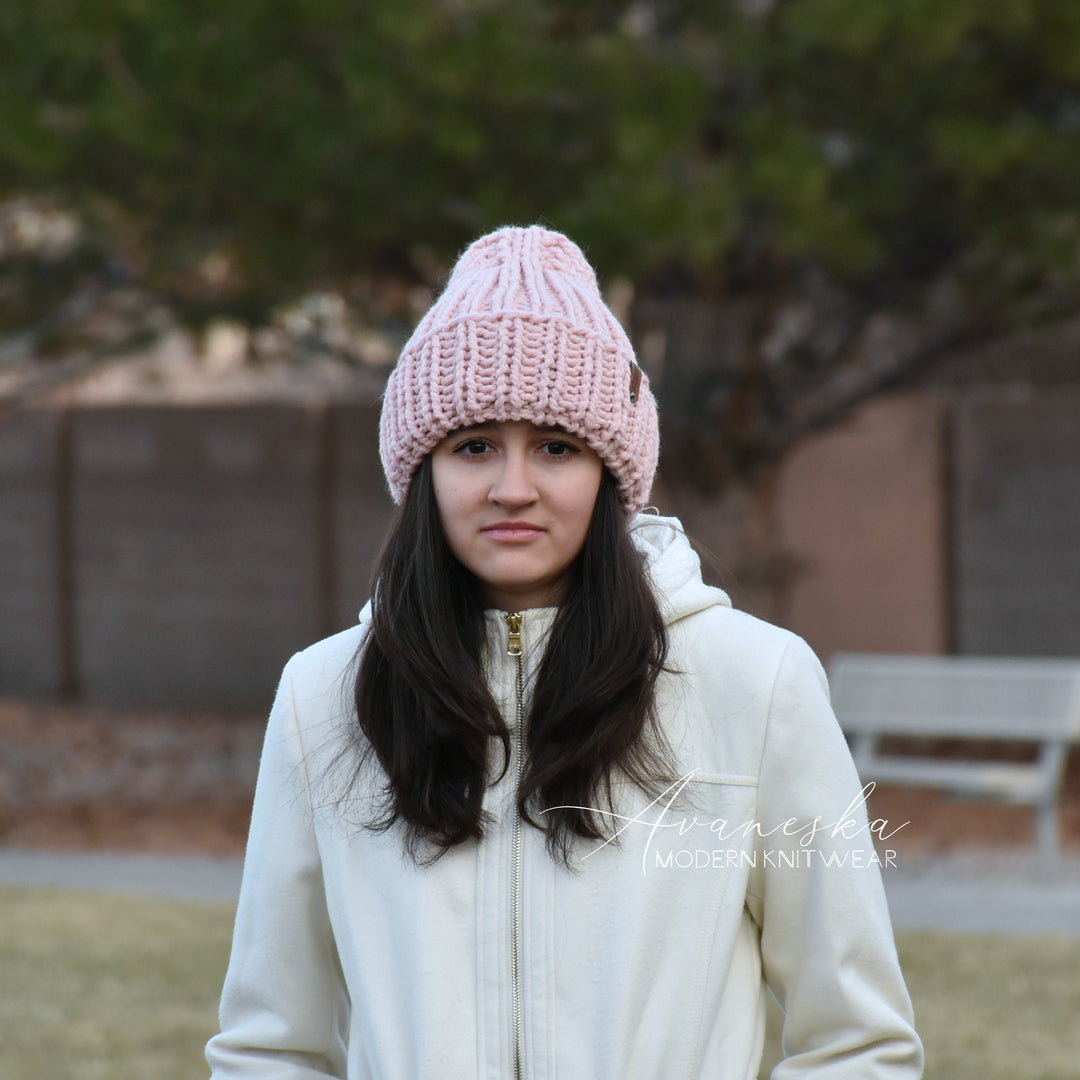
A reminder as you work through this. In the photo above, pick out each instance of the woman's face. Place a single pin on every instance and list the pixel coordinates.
(515, 502)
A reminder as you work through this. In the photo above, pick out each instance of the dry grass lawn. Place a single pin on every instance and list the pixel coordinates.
(989, 1007)
(96, 987)
(995, 1007)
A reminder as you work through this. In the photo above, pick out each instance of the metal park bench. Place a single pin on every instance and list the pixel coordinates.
(968, 698)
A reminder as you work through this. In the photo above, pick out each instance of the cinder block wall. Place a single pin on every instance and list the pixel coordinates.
(34, 590)
(862, 511)
(946, 520)
(180, 555)
(1016, 519)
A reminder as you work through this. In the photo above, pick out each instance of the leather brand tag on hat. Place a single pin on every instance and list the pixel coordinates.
(635, 382)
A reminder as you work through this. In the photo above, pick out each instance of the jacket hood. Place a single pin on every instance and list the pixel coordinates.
(674, 567)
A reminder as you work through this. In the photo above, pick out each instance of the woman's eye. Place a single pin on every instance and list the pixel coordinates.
(560, 449)
(472, 448)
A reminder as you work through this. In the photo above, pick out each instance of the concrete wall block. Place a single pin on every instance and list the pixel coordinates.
(30, 581)
(861, 512)
(196, 550)
(1017, 523)
(362, 508)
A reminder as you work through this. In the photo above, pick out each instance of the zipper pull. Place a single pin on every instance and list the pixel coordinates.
(513, 644)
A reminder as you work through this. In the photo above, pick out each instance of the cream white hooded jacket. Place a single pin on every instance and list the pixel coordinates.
(649, 960)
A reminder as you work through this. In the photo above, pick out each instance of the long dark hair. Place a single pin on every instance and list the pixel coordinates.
(425, 712)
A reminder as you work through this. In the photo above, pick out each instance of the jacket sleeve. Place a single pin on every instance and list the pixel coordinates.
(284, 1004)
(826, 939)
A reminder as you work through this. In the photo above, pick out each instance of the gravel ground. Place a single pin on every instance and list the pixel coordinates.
(81, 778)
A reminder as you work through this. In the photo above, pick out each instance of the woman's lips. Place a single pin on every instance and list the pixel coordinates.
(512, 531)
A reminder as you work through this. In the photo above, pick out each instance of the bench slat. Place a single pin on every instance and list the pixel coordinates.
(1014, 782)
(900, 721)
(972, 697)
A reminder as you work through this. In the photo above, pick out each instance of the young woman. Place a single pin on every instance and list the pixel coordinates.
(554, 808)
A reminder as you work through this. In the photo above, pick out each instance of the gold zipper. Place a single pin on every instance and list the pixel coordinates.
(513, 644)
(517, 653)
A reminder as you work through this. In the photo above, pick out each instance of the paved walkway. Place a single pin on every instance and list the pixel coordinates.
(968, 892)
(986, 892)
(180, 877)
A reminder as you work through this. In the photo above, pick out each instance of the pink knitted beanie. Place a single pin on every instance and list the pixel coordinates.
(522, 333)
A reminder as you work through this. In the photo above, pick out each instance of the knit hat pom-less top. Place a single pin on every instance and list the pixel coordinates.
(521, 332)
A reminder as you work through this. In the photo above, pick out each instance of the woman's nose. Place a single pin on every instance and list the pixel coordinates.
(513, 484)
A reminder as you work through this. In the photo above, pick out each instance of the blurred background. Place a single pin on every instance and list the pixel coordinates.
(844, 236)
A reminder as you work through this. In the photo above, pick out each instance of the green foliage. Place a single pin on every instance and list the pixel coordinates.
(888, 142)
(313, 138)
(908, 139)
